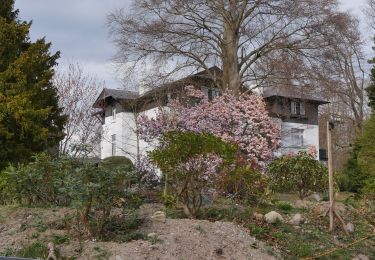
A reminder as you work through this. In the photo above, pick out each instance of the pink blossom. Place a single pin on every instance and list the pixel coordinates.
(243, 120)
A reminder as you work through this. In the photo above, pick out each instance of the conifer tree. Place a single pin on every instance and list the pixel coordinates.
(30, 118)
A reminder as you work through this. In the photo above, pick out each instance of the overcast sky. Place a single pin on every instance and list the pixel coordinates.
(78, 30)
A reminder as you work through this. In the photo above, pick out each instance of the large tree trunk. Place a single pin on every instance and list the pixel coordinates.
(231, 76)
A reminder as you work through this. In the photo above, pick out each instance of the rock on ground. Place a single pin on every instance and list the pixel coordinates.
(273, 217)
(296, 220)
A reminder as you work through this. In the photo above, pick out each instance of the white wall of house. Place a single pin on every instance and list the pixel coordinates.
(123, 125)
(294, 136)
(298, 137)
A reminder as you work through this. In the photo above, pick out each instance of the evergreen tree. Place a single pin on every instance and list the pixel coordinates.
(371, 88)
(30, 119)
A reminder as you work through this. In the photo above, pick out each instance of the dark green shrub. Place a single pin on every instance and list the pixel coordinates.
(283, 205)
(299, 173)
(45, 181)
(243, 184)
(189, 162)
(117, 161)
(98, 190)
(359, 172)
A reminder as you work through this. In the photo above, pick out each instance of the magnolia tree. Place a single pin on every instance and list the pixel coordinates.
(242, 119)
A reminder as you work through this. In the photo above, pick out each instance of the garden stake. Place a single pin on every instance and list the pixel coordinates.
(331, 209)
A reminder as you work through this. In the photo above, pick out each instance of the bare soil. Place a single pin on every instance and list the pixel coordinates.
(174, 239)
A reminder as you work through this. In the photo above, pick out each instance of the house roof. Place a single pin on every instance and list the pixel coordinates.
(294, 93)
(268, 92)
(118, 94)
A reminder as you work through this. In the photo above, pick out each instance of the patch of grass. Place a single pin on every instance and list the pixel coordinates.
(35, 235)
(40, 226)
(174, 213)
(123, 229)
(154, 239)
(35, 250)
(298, 249)
(8, 251)
(102, 254)
(284, 206)
(60, 239)
(201, 230)
(132, 236)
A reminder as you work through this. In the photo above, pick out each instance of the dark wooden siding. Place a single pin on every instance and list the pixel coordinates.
(280, 107)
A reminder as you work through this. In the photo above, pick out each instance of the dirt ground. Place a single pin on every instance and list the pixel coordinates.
(174, 239)
(187, 239)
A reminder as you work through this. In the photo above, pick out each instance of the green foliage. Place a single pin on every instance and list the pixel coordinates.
(371, 88)
(99, 189)
(180, 147)
(366, 155)
(116, 161)
(36, 250)
(123, 228)
(359, 173)
(283, 205)
(243, 184)
(352, 178)
(30, 119)
(46, 181)
(94, 189)
(188, 183)
(297, 173)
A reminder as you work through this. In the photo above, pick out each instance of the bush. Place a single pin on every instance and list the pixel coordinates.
(243, 184)
(189, 163)
(94, 189)
(46, 181)
(299, 173)
(100, 189)
(359, 172)
(117, 161)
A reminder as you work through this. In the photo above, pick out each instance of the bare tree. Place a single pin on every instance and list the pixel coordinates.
(77, 93)
(235, 35)
(342, 75)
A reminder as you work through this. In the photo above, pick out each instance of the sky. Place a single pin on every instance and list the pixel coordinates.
(78, 29)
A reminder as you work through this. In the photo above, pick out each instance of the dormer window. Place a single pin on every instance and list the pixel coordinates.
(297, 108)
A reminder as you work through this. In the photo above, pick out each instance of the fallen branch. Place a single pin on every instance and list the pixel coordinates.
(339, 248)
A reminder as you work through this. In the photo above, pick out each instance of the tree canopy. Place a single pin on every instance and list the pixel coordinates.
(243, 38)
(30, 118)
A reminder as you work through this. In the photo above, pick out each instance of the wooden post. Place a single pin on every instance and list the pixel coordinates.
(330, 177)
(331, 208)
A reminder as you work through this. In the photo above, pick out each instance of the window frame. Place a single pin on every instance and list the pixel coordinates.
(113, 145)
(296, 137)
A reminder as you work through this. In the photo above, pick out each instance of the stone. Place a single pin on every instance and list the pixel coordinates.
(151, 235)
(273, 217)
(361, 257)
(296, 220)
(349, 227)
(159, 216)
(302, 204)
(258, 216)
(315, 197)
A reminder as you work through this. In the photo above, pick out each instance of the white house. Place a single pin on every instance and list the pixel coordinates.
(296, 113)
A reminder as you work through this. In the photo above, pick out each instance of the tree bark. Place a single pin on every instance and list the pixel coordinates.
(231, 75)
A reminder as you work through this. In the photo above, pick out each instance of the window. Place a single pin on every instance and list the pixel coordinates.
(113, 110)
(297, 137)
(205, 91)
(214, 93)
(113, 145)
(297, 108)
